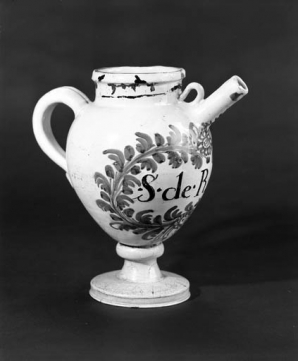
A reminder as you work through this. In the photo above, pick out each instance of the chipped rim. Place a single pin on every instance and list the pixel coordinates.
(141, 74)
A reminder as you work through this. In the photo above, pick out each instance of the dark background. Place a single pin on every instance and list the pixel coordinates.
(239, 249)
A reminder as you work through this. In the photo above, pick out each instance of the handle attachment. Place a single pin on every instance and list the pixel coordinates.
(193, 86)
(42, 129)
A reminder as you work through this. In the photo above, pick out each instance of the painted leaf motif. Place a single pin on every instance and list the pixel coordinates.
(142, 146)
(177, 213)
(189, 207)
(135, 170)
(148, 164)
(124, 198)
(127, 190)
(117, 164)
(144, 217)
(121, 226)
(123, 201)
(104, 206)
(115, 218)
(128, 182)
(109, 171)
(114, 157)
(175, 136)
(140, 230)
(158, 220)
(117, 152)
(133, 179)
(104, 196)
(129, 212)
(159, 139)
(174, 159)
(184, 155)
(102, 182)
(159, 157)
(147, 139)
(168, 215)
(196, 161)
(117, 156)
(129, 152)
(152, 234)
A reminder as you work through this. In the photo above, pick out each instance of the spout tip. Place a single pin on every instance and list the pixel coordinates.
(242, 86)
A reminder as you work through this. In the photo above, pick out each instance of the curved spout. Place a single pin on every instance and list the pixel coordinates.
(218, 102)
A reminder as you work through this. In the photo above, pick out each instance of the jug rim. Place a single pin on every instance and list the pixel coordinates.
(138, 74)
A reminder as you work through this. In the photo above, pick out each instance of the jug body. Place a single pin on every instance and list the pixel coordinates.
(135, 158)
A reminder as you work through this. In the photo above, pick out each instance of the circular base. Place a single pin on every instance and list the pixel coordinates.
(169, 290)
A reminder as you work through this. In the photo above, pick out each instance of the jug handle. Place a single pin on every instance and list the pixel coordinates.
(193, 86)
(42, 129)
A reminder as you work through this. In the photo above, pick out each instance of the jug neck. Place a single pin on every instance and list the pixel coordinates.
(156, 84)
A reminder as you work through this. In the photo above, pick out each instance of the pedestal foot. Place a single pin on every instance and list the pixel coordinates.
(140, 283)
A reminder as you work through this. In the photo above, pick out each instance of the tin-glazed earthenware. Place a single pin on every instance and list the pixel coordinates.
(139, 158)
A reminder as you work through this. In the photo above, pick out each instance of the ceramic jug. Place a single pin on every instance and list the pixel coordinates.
(139, 158)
